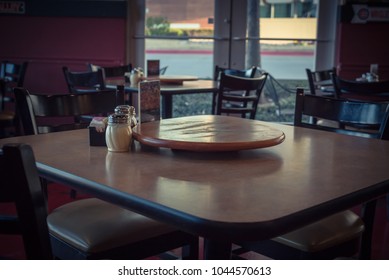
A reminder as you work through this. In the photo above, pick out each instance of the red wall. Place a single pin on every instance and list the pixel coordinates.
(49, 43)
(362, 39)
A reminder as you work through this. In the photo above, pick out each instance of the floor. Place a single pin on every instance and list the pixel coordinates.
(11, 246)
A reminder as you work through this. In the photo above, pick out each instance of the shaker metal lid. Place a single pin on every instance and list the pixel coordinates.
(118, 118)
(122, 110)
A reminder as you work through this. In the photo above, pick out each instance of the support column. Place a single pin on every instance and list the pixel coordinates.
(327, 15)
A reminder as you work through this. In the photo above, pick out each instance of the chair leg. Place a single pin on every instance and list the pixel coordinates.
(191, 251)
(387, 207)
(73, 193)
(368, 215)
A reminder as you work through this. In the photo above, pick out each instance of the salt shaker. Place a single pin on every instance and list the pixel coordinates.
(129, 111)
(118, 134)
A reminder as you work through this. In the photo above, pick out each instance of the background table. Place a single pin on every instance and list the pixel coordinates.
(169, 90)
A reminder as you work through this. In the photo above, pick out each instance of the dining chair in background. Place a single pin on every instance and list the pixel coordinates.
(111, 71)
(84, 229)
(162, 70)
(84, 82)
(247, 73)
(320, 81)
(365, 91)
(345, 233)
(11, 75)
(244, 104)
(43, 113)
(351, 113)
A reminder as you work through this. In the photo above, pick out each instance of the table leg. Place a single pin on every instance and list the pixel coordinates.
(167, 106)
(217, 250)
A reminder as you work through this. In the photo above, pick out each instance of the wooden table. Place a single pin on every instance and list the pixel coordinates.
(170, 89)
(224, 196)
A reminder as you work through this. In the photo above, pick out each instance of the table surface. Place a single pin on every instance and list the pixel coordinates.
(171, 79)
(208, 134)
(250, 195)
(187, 87)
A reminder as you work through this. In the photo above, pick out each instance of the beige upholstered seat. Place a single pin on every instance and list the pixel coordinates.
(324, 234)
(93, 228)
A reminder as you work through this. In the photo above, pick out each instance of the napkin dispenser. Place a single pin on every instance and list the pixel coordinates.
(97, 129)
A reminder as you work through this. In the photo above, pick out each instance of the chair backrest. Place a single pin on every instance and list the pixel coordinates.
(162, 70)
(20, 185)
(11, 75)
(354, 113)
(82, 82)
(246, 73)
(370, 91)
(111, 71)
(319, 79)
(32, 107)
(230, 103)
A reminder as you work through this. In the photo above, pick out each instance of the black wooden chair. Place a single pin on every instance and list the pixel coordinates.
(247, 73)
(111, 71)
(320, 80)
(90, 228)
(365, 91)
(84, 229)
(243, 104)
(162, 70)
(11, 75)
(43, 113)
(84, 82)
(20, 185)
(348, 112)
(339, 235)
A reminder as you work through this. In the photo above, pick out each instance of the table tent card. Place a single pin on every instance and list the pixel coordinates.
(149, 101)
(152, 68)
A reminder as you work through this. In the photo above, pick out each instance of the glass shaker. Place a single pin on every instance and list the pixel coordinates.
(118, 134)
(129, 111)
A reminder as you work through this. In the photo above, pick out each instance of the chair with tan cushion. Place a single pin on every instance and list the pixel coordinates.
(91, 228)
(84, 229)
(339, 235)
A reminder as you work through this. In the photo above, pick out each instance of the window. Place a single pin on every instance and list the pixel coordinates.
(180, 35)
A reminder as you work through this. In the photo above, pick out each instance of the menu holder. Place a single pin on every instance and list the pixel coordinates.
(152, 68)
(149, 97)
